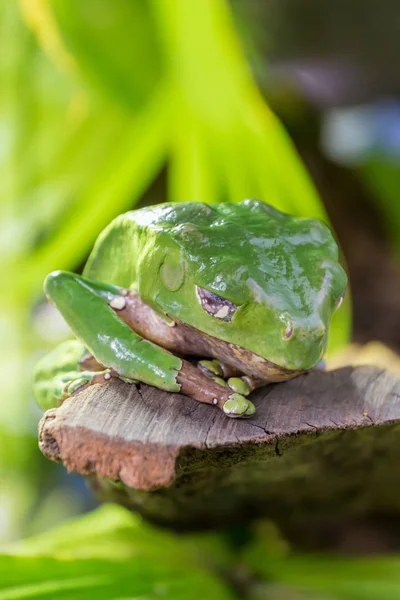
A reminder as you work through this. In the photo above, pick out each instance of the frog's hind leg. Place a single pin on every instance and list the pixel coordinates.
(91, 310)
(63, 372)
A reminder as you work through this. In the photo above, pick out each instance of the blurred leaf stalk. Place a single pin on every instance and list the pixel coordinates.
(96, 99)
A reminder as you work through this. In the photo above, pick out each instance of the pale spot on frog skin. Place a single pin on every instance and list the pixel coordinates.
(118, 303)
(222, 313)
(219, 283)
(339, 301)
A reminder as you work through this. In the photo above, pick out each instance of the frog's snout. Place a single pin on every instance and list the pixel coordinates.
(318, 337)
(316, 334)
(320, 333)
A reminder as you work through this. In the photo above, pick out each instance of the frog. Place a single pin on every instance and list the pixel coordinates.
(209, 300)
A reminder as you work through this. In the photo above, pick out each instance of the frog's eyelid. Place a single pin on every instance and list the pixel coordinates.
(215, 305)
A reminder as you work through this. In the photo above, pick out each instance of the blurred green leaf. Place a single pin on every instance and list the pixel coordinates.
(382, 177)
(324, 576)
(141, 577)
(115, 44)
(117, 182)
(216, 91)
(108, 554)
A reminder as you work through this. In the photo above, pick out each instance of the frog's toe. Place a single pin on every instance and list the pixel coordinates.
(211, 368)
(238, 406)
(220, 381)
(77, 383)
(251, 409)
(239, 386)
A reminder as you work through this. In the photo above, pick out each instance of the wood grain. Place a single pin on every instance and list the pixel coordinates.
(322, 446)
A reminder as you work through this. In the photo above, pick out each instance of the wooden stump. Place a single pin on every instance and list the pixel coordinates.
(322, 447)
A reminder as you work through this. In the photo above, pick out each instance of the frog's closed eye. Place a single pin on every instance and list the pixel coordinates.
(172, 272)
(215, 305)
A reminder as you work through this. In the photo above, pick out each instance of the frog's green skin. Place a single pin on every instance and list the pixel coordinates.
(276, 278)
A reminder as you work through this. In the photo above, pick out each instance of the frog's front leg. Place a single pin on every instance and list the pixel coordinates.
(91, 310)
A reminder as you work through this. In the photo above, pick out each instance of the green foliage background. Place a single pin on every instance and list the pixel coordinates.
(97, 99)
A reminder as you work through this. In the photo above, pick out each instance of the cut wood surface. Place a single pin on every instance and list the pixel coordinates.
(325, 445)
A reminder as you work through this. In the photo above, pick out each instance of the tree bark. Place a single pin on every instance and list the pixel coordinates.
(322, 447)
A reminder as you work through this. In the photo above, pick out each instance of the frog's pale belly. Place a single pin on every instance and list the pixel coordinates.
(183, 339)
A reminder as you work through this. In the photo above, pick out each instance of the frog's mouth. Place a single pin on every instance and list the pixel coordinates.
(185, 340)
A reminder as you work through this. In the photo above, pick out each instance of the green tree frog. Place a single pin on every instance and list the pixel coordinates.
(247, 289)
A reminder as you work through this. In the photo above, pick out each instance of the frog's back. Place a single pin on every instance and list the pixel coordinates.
(166, 217)
(248, 248)
(250, 243)
(119, 250)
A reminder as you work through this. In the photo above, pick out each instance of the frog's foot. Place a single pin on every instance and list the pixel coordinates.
(194, 382)
(227, 376)
(238, 406)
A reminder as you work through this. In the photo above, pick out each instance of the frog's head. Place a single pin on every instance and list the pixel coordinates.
(252, 276)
